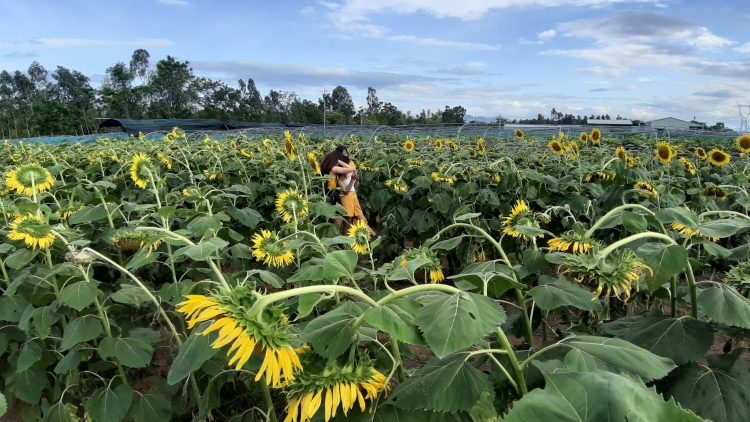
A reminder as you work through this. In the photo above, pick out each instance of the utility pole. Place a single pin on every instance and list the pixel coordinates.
(361, 115)
(324, 111)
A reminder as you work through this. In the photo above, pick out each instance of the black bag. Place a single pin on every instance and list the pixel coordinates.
(334, 196)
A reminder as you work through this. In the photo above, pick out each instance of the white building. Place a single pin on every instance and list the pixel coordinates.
(673, 124)
(608, 122)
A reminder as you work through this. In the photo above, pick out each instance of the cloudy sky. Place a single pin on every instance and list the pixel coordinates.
(637, 58)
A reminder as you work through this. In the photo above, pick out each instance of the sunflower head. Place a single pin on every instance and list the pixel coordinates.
(268, 248)
(433, 268)
(572, 243)
(651, 192)
(520, 215)
(228, 314)
(615, 274)
(33, 230)
(584, 138)
(29, 178)
(743, 143)
(519, 134)
(333, 388)
(164, 160)
(718, 157)
(290, 204)
(688, 165)
(246, 153)
(438, 144)
(134, 240)
(739, 278)
(140, 170)
(69, 210)
(701, 153)
(715, 192)
(313, 163)
(574, 147)
(664, 152)
(289, 146)
(480, 147)
(620, 152)
(409, 145)
(596, 136)
(556, 147)
(360, 234)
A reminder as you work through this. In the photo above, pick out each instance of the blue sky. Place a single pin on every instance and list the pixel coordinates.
(635, 58)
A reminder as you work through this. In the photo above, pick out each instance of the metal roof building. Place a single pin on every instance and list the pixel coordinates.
(672, 123)
(609, 122)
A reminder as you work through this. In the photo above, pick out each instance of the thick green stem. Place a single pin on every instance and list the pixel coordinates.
(264, 301)
(5, 272)
(693, 291)
(673, 297)
(734, 213)
(622, 242)
(520, 378)
(604, 218)
(63, 320)
(267, 397)
(108, 331)
(397, 358)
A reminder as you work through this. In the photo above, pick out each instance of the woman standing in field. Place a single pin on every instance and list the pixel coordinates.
(349, 182)
(333, 166)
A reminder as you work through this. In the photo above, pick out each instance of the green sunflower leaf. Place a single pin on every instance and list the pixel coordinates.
(110, 405)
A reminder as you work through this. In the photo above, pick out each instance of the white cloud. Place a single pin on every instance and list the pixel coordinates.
(91, 42)
(745, 48)
(547, 34)
(173, 2)
(443, 43)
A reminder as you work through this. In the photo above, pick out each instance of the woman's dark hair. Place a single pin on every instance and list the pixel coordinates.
(342, 149)
(330, 161)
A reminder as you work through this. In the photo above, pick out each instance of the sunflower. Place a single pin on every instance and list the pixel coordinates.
(739, 277)
(472, 152)
(743, 143)
(313, 163)
(715, 192)
(596, 136)
(438, 144)
(631, 161)
(434, 268)
(233, 145)
(69, 210)
(246, 154)
(664, 152)
(289, 145)
(519, 134)
(701, 153)
(33, 230)
(227, 312)
(571, 243)
(718, 157)
(290, 204)
(409, 145)
(480, 146)
(29, 179)
(574, 147)
(615, 274)
(266, 247)
(164, 160)
(688, 165)
(520, 215)
(334, 387)
(267, 145)
(646, 187)
(620, 152)
(556, 147)
(584, 138)
(140, 165)
(600, 176)
(361, 235)
(133, 240)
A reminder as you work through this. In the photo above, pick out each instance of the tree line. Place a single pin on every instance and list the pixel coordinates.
(39, 102)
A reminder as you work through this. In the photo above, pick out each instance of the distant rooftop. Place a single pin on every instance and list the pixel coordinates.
(603, 122)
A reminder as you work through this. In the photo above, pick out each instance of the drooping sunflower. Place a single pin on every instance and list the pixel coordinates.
(519, 134)
(246, 154)
(701, 153)
(718, 157)
(233, 145)
(596, 136)
(631, 161)
(646, 187)
(289, 145)
(480, 147)
(614, 274)
(361, 236)
(433, 268)
(33, 230)
(268, 248)
(438, 144)
(29, 178)
(267, 145)
(333, 388)
(739, 277)
(571, 242)
(69, 210)
(688, 165)
(472, 152)
(313, 163)
(584, 138)
(574, 148)
(164, 160)
(227, 312)
(290, 204)
(409, 145)
(556, 147)
(743, 143)
(520, 215)
(139, 170)
(620, 152)
(664, 152)
(715, 192)
(134, 240)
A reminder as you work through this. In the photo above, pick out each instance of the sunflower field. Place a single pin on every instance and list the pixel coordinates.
(182, 277)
